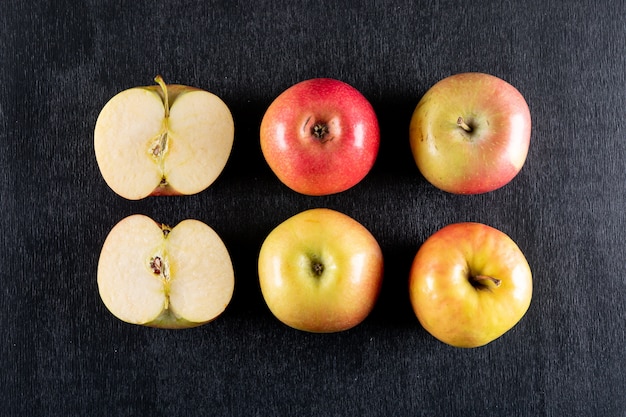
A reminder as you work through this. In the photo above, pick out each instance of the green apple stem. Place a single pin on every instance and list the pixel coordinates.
(166, 101)
(461, 123)
(485, 282)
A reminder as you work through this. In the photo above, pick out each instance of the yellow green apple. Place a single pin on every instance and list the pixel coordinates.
(320, 271)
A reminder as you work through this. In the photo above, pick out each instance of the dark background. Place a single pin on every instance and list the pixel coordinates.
(63, 354)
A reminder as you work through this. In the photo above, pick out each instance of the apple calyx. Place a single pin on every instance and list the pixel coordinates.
(461, 123)
(319, 130)
(317, 268)
(485, 282)
(160, 144)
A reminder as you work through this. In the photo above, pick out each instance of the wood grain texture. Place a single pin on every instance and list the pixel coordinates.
(63, 354)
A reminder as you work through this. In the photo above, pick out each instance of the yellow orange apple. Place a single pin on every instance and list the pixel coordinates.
(469, 284)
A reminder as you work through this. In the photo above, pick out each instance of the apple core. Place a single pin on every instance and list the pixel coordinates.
(160, 145)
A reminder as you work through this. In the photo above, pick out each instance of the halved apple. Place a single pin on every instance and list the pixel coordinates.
(162, 140)
(154, 275)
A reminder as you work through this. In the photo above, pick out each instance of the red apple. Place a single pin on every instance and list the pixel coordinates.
(470, 133)
(320, 271)
(320, 136)
(469, 284)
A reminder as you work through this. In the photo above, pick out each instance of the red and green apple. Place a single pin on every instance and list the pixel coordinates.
(470, 133)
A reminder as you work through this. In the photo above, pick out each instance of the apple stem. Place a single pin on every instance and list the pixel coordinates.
(159, 80)
(485, 282)
(461, 123)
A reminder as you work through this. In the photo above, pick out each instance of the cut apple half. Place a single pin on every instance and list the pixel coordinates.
(153, 275)
(162, 140)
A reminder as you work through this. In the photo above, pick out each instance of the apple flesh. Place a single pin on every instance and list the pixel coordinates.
(320, 136)
(470, 133)
(320, 271)
(153, 275)
(162, 140)
(469, 284)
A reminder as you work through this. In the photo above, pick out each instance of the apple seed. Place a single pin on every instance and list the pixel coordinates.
(155, 265)
(159, 146)
(160, 267)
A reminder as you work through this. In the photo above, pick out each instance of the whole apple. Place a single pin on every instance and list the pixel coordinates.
(470, 133)
(162, 140)
(169, 277)
(320, 136)
(469, 284)
(320, 271)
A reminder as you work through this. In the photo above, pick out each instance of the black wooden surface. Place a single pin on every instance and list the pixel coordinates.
(63, 354)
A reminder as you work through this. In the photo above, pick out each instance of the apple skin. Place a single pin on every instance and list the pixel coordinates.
(454, 308)
(335, 299)
(320, 163)
(488, 157)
